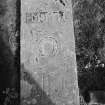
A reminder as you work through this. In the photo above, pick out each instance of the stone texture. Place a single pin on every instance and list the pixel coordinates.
(48, 38)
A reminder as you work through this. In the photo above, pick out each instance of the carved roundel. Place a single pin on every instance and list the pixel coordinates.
(48, 46)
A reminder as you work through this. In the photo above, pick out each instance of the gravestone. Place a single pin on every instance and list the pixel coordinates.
(48, 48)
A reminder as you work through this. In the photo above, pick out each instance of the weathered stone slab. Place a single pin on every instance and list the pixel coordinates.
(48, 48)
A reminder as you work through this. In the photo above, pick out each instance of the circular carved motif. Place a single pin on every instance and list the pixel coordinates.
(48, 46)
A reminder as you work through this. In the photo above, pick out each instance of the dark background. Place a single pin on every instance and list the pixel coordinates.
(9, 61)
(89, 29)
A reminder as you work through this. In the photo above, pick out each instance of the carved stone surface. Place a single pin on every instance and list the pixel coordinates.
(48, 48)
